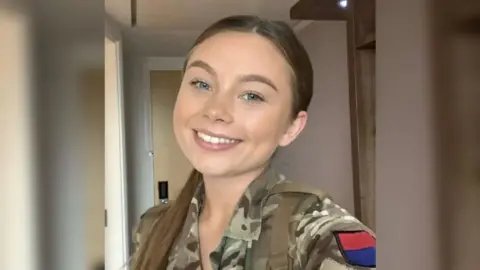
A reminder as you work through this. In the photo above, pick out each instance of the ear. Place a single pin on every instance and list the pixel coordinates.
(294, 129)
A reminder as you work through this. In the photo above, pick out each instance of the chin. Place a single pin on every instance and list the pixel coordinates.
(213, 169)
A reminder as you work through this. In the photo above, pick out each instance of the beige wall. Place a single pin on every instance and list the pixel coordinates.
(321, 156)
(93, 104)
(169, 162)
(406, 181)
(462, 178)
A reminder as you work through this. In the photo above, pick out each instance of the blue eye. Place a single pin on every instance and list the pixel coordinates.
(200, 84)
(253, 97)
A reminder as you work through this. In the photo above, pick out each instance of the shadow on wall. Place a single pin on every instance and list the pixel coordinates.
(99, 266)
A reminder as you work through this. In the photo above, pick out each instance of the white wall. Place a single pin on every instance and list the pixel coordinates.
(321, 156)
(17, 179)
(63, 168)
(139, 164)
(60, 141)
(116, 232)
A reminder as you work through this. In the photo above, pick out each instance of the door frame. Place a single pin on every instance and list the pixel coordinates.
(154, 64)
(116, 207)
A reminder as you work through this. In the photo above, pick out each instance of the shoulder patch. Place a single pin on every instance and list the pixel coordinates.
(359, 248)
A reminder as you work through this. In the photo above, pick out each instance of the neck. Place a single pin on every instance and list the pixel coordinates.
(223, 194)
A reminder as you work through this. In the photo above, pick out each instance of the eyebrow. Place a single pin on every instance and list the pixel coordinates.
(258, 78)
(244, 78)
(203, 65)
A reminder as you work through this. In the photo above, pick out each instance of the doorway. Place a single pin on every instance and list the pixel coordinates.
(169, 163)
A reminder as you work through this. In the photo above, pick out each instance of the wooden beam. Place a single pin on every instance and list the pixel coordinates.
(469, 25)
(368, 43)
(354, 112)
(319, 10)
(133, 13)
(364, 18)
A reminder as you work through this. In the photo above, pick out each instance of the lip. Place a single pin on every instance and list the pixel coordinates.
(218, 135)
(214, 147)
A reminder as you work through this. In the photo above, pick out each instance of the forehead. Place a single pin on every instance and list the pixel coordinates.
(245, 53)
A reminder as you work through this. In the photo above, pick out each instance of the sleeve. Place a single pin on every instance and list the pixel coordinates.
(142, 230)
(332, 239)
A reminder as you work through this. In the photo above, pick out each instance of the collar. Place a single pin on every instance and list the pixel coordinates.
(246, 221)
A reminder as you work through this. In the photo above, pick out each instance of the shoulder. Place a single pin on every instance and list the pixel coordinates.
(155, 211)
(323, 234)
(147, 220)
(328, 237)
(150, 216)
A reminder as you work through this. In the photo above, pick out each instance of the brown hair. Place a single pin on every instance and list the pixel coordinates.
(153, 254)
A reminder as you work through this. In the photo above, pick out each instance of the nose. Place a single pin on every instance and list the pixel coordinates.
(218, 108)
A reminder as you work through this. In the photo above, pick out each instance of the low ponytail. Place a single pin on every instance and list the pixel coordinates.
(153, 253)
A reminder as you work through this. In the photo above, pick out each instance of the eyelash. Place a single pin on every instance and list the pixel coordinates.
(195, 83)
(257, 97)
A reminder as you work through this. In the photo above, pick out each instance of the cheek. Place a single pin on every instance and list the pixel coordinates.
(184, 107)
(181, 113)
(267, 126)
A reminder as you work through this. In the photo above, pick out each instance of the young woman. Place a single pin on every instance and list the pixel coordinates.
(245, 91)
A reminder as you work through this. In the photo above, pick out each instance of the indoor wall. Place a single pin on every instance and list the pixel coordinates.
(169, 162)
(322, 156)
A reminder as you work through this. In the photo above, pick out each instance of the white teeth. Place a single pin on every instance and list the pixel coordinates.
(214, 140)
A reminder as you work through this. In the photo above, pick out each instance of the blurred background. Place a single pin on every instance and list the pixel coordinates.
(86, 97)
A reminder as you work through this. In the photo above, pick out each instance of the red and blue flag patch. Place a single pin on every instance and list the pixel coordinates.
(359, 248)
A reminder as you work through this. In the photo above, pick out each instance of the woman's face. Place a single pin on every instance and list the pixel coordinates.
(234, 105)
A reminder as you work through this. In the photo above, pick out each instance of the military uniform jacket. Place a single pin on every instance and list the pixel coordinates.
(316, 233)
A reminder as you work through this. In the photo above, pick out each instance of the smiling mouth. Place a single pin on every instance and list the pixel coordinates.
(215, 139)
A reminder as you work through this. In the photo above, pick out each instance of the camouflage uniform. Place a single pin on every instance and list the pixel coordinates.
(321, 235)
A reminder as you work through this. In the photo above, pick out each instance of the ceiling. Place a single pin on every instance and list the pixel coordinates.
(169, 27)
